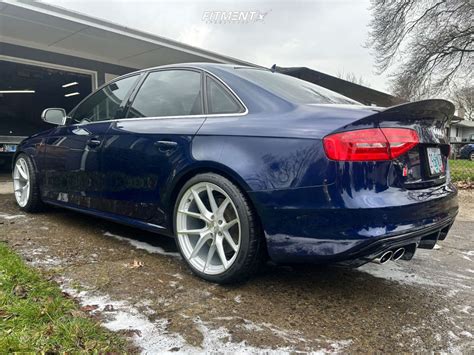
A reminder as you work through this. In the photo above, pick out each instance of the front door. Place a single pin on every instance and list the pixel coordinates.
(143, 152)
(72, 159)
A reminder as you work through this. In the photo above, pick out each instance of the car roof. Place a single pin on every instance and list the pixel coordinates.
(204, 66)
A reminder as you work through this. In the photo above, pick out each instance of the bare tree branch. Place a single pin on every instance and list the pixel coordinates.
(428, 43)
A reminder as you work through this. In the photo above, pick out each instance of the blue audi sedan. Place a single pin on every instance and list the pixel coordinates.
(242, 164)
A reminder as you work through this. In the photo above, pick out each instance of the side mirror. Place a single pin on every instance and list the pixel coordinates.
(56, 116)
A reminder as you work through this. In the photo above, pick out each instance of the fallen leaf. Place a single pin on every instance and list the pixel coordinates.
(135, 264)
(78, 314)
(89, 308)
(20, 291)
(49, 330)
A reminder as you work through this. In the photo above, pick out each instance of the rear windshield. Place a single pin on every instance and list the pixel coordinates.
(293, 89)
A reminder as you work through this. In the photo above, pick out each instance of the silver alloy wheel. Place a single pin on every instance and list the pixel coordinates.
(21, 182)
(208, 228)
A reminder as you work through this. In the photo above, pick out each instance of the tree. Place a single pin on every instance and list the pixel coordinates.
(429, 42)
(464, 100)
(349, 76)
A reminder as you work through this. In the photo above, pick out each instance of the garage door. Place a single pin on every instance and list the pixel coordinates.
(26, 90)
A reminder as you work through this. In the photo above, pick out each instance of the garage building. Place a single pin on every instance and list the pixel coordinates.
(53, 57)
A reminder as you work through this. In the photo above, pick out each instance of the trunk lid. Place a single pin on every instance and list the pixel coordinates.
(426, 164)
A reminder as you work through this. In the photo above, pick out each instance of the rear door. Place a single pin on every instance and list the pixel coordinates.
(144, 152)
(72, 158)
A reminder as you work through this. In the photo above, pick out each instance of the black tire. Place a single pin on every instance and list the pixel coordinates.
(471, 156)
(251, 252)
(34, 202)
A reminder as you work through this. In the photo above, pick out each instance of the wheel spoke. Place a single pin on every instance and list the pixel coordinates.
(230, 241)
(222, 207)
(210, 254)
(24, 168)
(192, 231)
(230, 224)
(212, 200)
(22, 173)
(192, 214)
(202, 208)
(202, 240)
(220, 252)
(23, 197)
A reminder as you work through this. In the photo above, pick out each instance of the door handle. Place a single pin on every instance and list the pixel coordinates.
(94, 142)
(166, 146)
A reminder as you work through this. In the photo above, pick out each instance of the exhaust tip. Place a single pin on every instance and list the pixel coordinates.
(397, 254)
(385, 257)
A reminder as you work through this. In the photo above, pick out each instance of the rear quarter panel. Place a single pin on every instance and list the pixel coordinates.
(267, 163)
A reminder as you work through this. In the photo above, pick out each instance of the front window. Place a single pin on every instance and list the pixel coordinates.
(105, 103)
(293, 89)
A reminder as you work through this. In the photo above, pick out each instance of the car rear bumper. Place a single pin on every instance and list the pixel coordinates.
(312, 225)
(425, 238)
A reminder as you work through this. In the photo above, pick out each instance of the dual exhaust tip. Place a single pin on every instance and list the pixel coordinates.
(392, 255)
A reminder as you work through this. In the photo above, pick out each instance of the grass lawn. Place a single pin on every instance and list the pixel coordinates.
(36, 316)
(462, 170)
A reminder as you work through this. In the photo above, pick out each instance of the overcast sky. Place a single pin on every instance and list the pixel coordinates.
(326, 35)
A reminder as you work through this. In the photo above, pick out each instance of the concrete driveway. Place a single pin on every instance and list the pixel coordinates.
(142, 289)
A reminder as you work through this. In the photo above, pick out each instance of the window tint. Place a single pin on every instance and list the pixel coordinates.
(293, 89)
(104, 104)
(219, 100)
(168, 93)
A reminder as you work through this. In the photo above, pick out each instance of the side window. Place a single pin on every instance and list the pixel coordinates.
(168, 93)
(219, 100)
(104, 104)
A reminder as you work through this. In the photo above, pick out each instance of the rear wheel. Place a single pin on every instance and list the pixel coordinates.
(216, 229)
(25, 185)
(471, 156)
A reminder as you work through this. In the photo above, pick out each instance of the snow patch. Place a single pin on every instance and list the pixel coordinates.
(41, 259)
(395, 272)
(142, 245)
(466, 334)
(11, 216)
(153, 336)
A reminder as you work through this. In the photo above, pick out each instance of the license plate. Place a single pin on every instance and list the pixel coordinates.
(435, 161)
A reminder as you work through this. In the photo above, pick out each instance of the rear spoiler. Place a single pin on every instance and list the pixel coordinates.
(436, 109)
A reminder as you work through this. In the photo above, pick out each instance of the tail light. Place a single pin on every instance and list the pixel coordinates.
(370, 144)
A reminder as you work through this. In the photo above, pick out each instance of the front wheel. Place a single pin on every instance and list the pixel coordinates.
(25, 185)
(216, 229)
(471, 156)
